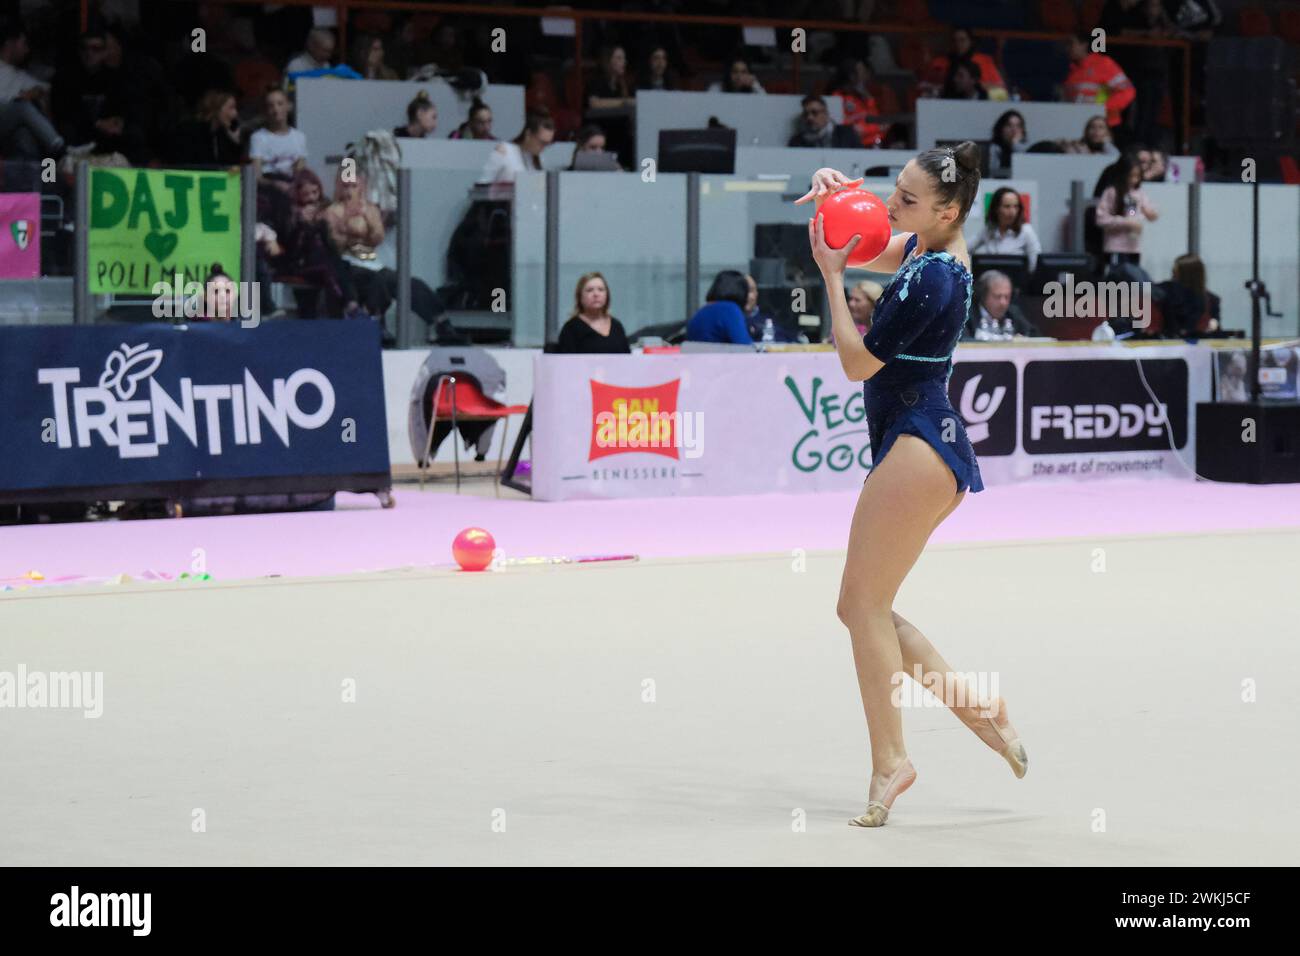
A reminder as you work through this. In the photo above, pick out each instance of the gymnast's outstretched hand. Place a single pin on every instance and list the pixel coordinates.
(826, 181)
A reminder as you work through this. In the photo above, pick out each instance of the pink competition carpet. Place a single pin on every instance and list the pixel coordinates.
(361, 536)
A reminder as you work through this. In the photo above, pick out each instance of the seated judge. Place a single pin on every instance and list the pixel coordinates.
(816, 131)
(591, 328)
(991, 306)
(722, 317)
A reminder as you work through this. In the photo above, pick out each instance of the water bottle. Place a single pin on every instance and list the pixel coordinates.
(1008, 328)
(769, 331)
(984, 332)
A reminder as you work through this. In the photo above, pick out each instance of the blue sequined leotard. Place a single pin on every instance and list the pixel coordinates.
(914, 331)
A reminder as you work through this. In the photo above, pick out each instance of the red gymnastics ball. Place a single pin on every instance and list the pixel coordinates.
(855, 212)
(473, 549)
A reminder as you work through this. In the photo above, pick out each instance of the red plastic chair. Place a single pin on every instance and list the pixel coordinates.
(461, 400)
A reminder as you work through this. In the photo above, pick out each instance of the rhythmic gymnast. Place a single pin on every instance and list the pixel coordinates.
(922, 461)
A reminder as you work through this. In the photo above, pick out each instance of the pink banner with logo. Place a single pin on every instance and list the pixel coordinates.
(639, 426)
(20, 235)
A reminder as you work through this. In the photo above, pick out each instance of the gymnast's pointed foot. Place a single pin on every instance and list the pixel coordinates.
(994, 727)
(878, 810)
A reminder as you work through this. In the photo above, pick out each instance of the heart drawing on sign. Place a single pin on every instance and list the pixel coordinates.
(161, 244)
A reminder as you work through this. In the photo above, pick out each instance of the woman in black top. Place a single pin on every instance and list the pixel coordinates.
(591, 329)
(213, 137)
(1186, 302)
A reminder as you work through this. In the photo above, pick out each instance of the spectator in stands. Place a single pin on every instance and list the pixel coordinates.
(611, 90)
(963, 82)
(1185, 301)
(589, 139)
(1096, 78)
(1010, 136)
(739, 78)
(277, 150)
(368, 58)
(862, 303)
(479, 123)
(862, 306)
(851, 82)
(25, 131)
(448, 52)
(304, 250)
(218, 296)
(1146, 66)
(356, 229)
(1122, 210)
(591, 328)
(962, 47)
(722, 317)
(1005, 230)
(816, 131)
(610, 87)
(523, 153)
(1097, 139)
(93, 102)
(993, 314)
(756, 318)
(1153, 162)
(657, 75)
(421, 118)
(317, 56)
(212, 137)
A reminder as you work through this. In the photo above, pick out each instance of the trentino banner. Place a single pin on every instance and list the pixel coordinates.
(208, 408)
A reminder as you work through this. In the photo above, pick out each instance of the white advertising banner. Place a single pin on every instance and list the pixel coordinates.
(632, 426)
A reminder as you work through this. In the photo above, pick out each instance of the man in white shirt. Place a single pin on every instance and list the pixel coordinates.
(25, 132)
(277, 149)
(320, 48)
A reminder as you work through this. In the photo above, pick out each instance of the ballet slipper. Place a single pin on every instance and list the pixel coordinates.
(878, 810)
(1001, 736)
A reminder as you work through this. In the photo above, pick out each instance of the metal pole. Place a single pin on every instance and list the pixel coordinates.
(1194, 219)
(247, 224)
(552, 282)
(1077, 206)
(692, 243)
(1186, 132)
(81, 302)
(1253, 368)
(1254, 294)
(403, 334)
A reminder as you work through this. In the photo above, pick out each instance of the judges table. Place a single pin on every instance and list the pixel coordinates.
(645, 425)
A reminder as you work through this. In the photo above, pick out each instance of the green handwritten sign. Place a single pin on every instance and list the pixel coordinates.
(149, 225)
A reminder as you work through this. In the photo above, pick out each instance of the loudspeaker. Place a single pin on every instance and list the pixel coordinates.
(1224, 454)
(1250, 94)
